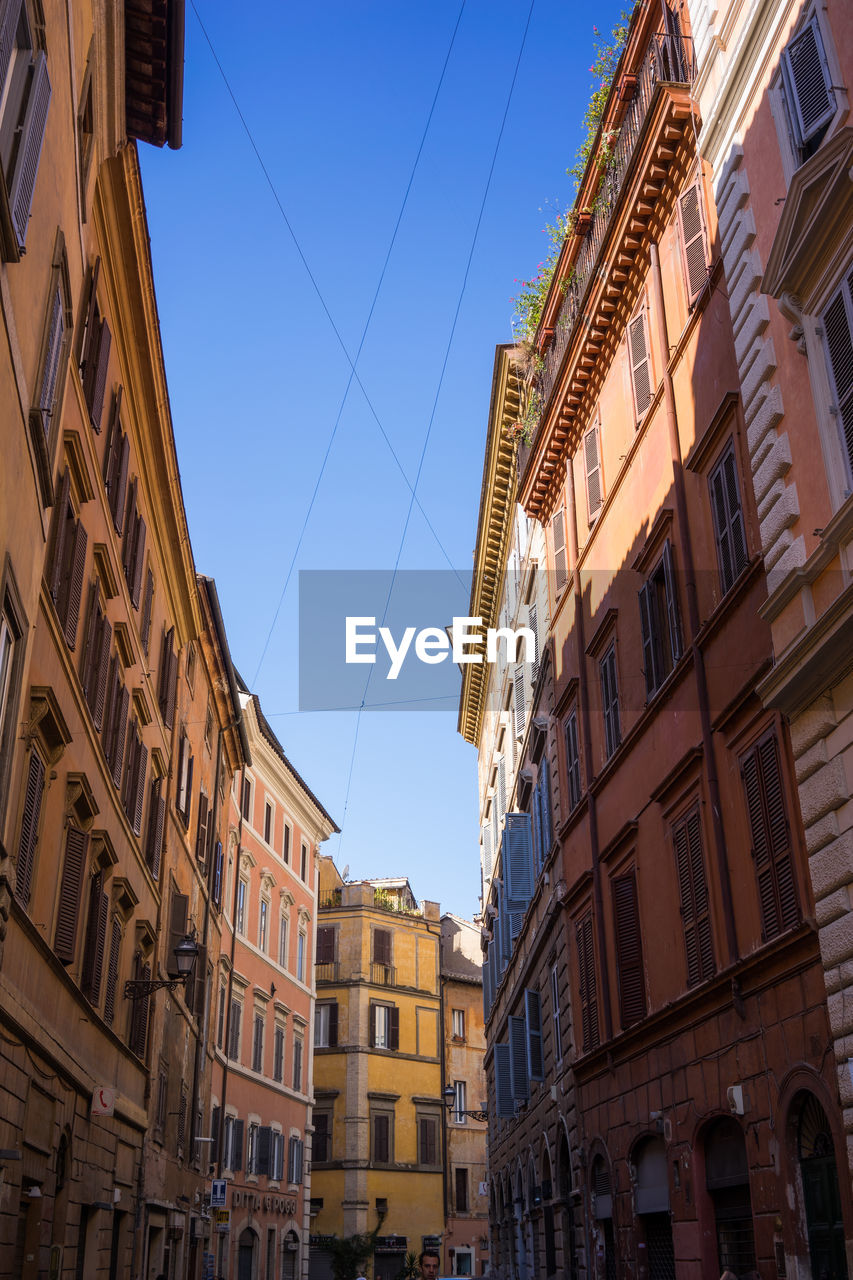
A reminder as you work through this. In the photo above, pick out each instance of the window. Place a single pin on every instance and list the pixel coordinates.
(70, 893)
(384, 1026)
(234, 1030)
(116, 463)
(460, 1104)
(428, 1153)
(837, 323)
(586, 979)
(191, 660)
(277, 1156)
(295, 1149)
(263, 924)
(208, 718)
(246, 806)
(610, 701)
(168, 678)
(304, 869)
(458, 1022)
(282, 941)
(693, 253)
(202, 832)
(54, 360)
(242, 890)
(25, 97)
(638, 352)
(322, 1146)
(286, 847)
(268, 822)
(252, 1148)
(11, 661)
(592, 470)
(96, 931)
(382, 946)
(555, 1014)
(258, 1043)
(297, 1063)
(278, 1055)
(233, 1144)
(220, 1016)
(659, 621)
(115, 719)
(695, 912)
(807, 89)
(629, 949)
(460, 1181)
(573, 759)
(185, 780)
(381, 1137)
(728, 518)
(326, 1025)
(300, 956)
(771, 836)
(66, 561)
(558, 541)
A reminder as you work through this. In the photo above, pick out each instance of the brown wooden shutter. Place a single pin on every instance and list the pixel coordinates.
(139, 1013)
(771, 848)
(96, 936)
(23, 182)
(197, 984)
(103, 658)
(70, 889)
(178, 914)
(692, 241)
(371, 1035)
(333, 1024)
(76, 569)
(88, 349)
(461, 1190)
(58, 533)
(99, 378)
(695, 914)
(138, 561)
(641, 378)
(129, 531)
(156, 818)
(112, 972)
(586, 975)
(325, 944)
(139, 787)
(629, 949)
(119, 731)
(238, 1146)
(29, 827)
(381, 946)
(808, 82)
(147, 610)
(592, 469)
(91, 647)
(558, 538)
(111, 449)
(381, 1144)
(171, 683)
(393, 1027)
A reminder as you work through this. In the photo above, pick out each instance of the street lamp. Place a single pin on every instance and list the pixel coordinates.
(450, 1103)
(186, 952)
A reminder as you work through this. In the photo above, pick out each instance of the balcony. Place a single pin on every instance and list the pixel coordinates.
(383, 975)
(327, 971)
(328, 900)
(668, 61)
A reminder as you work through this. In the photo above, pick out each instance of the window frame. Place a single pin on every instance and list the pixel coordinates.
(611, 715)
(661, 636)
(728, 453)
(28, 90)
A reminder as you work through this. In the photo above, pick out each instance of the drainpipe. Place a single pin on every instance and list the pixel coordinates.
(583, 691)
(686, 550)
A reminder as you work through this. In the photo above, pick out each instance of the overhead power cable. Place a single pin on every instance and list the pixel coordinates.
(351, 361)
(451, 335)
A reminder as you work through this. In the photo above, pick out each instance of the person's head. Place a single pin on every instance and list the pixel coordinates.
(429, 1264)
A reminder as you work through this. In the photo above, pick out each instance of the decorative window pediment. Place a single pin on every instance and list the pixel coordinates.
(815, 225)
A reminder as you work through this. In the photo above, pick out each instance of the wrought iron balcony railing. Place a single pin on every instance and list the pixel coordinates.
(669, 60)
(330, 899)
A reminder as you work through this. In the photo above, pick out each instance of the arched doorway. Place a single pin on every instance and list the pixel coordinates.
(602, 1212)
(652, 1204)
(821, 1197)
(727, 1181)
(518, 1232)
(247, 1259)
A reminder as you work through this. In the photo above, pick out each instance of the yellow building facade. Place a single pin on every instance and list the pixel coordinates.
(377, 1148)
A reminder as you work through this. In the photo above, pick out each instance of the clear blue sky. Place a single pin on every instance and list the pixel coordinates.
(336, 98)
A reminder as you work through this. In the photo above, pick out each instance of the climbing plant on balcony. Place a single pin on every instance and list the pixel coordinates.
(530, 299)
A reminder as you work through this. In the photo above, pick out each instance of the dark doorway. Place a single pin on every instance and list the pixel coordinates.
(818, 1170)
(727, 1180)
(246, 1256)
